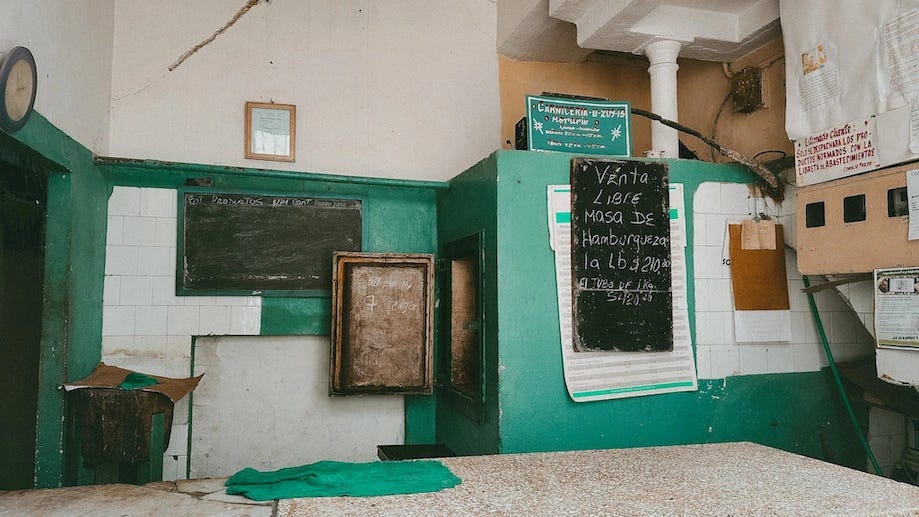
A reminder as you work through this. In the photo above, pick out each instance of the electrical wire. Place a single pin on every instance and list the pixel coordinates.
(842, 391)
(715, 123)
(783, 153)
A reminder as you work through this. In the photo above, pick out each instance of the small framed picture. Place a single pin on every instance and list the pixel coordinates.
(271, 131)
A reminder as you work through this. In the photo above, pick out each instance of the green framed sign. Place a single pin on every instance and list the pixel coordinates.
(579, 126)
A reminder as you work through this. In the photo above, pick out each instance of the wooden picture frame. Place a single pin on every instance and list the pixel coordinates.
(271, 131)
(382, 323)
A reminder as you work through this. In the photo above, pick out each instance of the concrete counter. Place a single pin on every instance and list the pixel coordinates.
(704, 480)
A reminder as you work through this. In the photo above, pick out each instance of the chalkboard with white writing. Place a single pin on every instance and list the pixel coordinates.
(235, 243)
(620, 254)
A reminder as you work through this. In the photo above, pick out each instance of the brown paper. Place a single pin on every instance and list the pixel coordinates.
(758, 235)
(758, 277)
(105, 376)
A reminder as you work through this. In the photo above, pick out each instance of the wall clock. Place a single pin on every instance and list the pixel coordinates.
(18, 86)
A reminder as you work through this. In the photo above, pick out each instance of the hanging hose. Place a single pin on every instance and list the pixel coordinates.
(842, 391)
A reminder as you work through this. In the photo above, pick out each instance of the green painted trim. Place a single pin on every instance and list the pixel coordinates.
(633, 389)
(269, 173)
(74, 255)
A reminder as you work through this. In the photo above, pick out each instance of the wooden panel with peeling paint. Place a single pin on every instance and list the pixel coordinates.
(382, 323)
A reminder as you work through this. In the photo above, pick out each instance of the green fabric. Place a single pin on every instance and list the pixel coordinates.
(136, 380)
(335, 478)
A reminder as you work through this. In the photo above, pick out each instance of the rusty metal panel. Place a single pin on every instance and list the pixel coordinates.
(382, 323)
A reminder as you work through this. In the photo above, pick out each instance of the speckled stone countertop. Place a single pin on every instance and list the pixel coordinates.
(715, 479)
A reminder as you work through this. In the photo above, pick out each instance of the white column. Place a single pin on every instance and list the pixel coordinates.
(662, 55)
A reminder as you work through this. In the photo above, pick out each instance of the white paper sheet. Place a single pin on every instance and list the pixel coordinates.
(607, 375)
(896, 307)
(912, 196)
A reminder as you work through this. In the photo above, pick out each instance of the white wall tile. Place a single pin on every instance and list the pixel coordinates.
(797, 300)
(214, 320)
(170, 467)
(158, 202)
(722, 295)
(753, 359)
(735, 199)
(807, 357)
(113, 230)
(124, 201)
(117, 346)
(138, 231)
(725, 361)
(707, 262)
(245, 320)
(120, 260)
(182, 320)
(150, 320)
(714, 328)
(149, 348)
(846, 328)
(703, 362)
(165, 232)
(715, 227)
(136, 290)
(164, 288)
(828, 301)
(117, 321)
(701, 294)
(178, 347)
(178, 441)
(111, 290)
(156, 261)
(780, 358)
(180, 411)
(707, 199)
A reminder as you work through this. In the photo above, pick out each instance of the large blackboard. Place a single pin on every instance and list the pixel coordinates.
(243, 243)
(620, 255)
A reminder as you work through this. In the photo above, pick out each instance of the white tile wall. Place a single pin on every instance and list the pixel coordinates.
(717, 354)
(886, 437)
(145, 326)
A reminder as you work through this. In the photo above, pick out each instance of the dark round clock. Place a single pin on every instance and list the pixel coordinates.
(18, 86)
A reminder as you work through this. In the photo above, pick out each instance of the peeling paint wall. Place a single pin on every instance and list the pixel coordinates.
(390, 89)
(72, 45)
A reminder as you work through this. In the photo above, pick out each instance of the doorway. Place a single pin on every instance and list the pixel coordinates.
(23, 202)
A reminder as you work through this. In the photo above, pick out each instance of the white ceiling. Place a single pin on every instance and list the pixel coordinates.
(712, 30)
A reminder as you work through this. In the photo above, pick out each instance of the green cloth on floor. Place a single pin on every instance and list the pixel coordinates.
(336, 478)
(136, 380)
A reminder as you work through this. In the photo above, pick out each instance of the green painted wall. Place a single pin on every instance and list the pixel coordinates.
(788, 411)
(74, 256)
(399, 216)
(466, 208)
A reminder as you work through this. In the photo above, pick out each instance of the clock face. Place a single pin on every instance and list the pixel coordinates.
(18, 80)
(19, 89)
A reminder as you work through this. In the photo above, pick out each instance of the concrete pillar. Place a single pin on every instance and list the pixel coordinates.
(662, 55)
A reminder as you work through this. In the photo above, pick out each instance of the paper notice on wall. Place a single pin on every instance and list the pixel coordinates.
(593, 376)
(901, 40)
(819, 83)
(896, 307)
(912, 195)
(836, 152)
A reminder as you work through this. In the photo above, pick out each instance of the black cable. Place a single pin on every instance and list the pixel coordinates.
(759, 169)
(724, 102)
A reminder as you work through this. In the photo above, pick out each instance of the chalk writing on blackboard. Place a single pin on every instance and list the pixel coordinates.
(243, 243)
(620, 242)
(382, 323)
